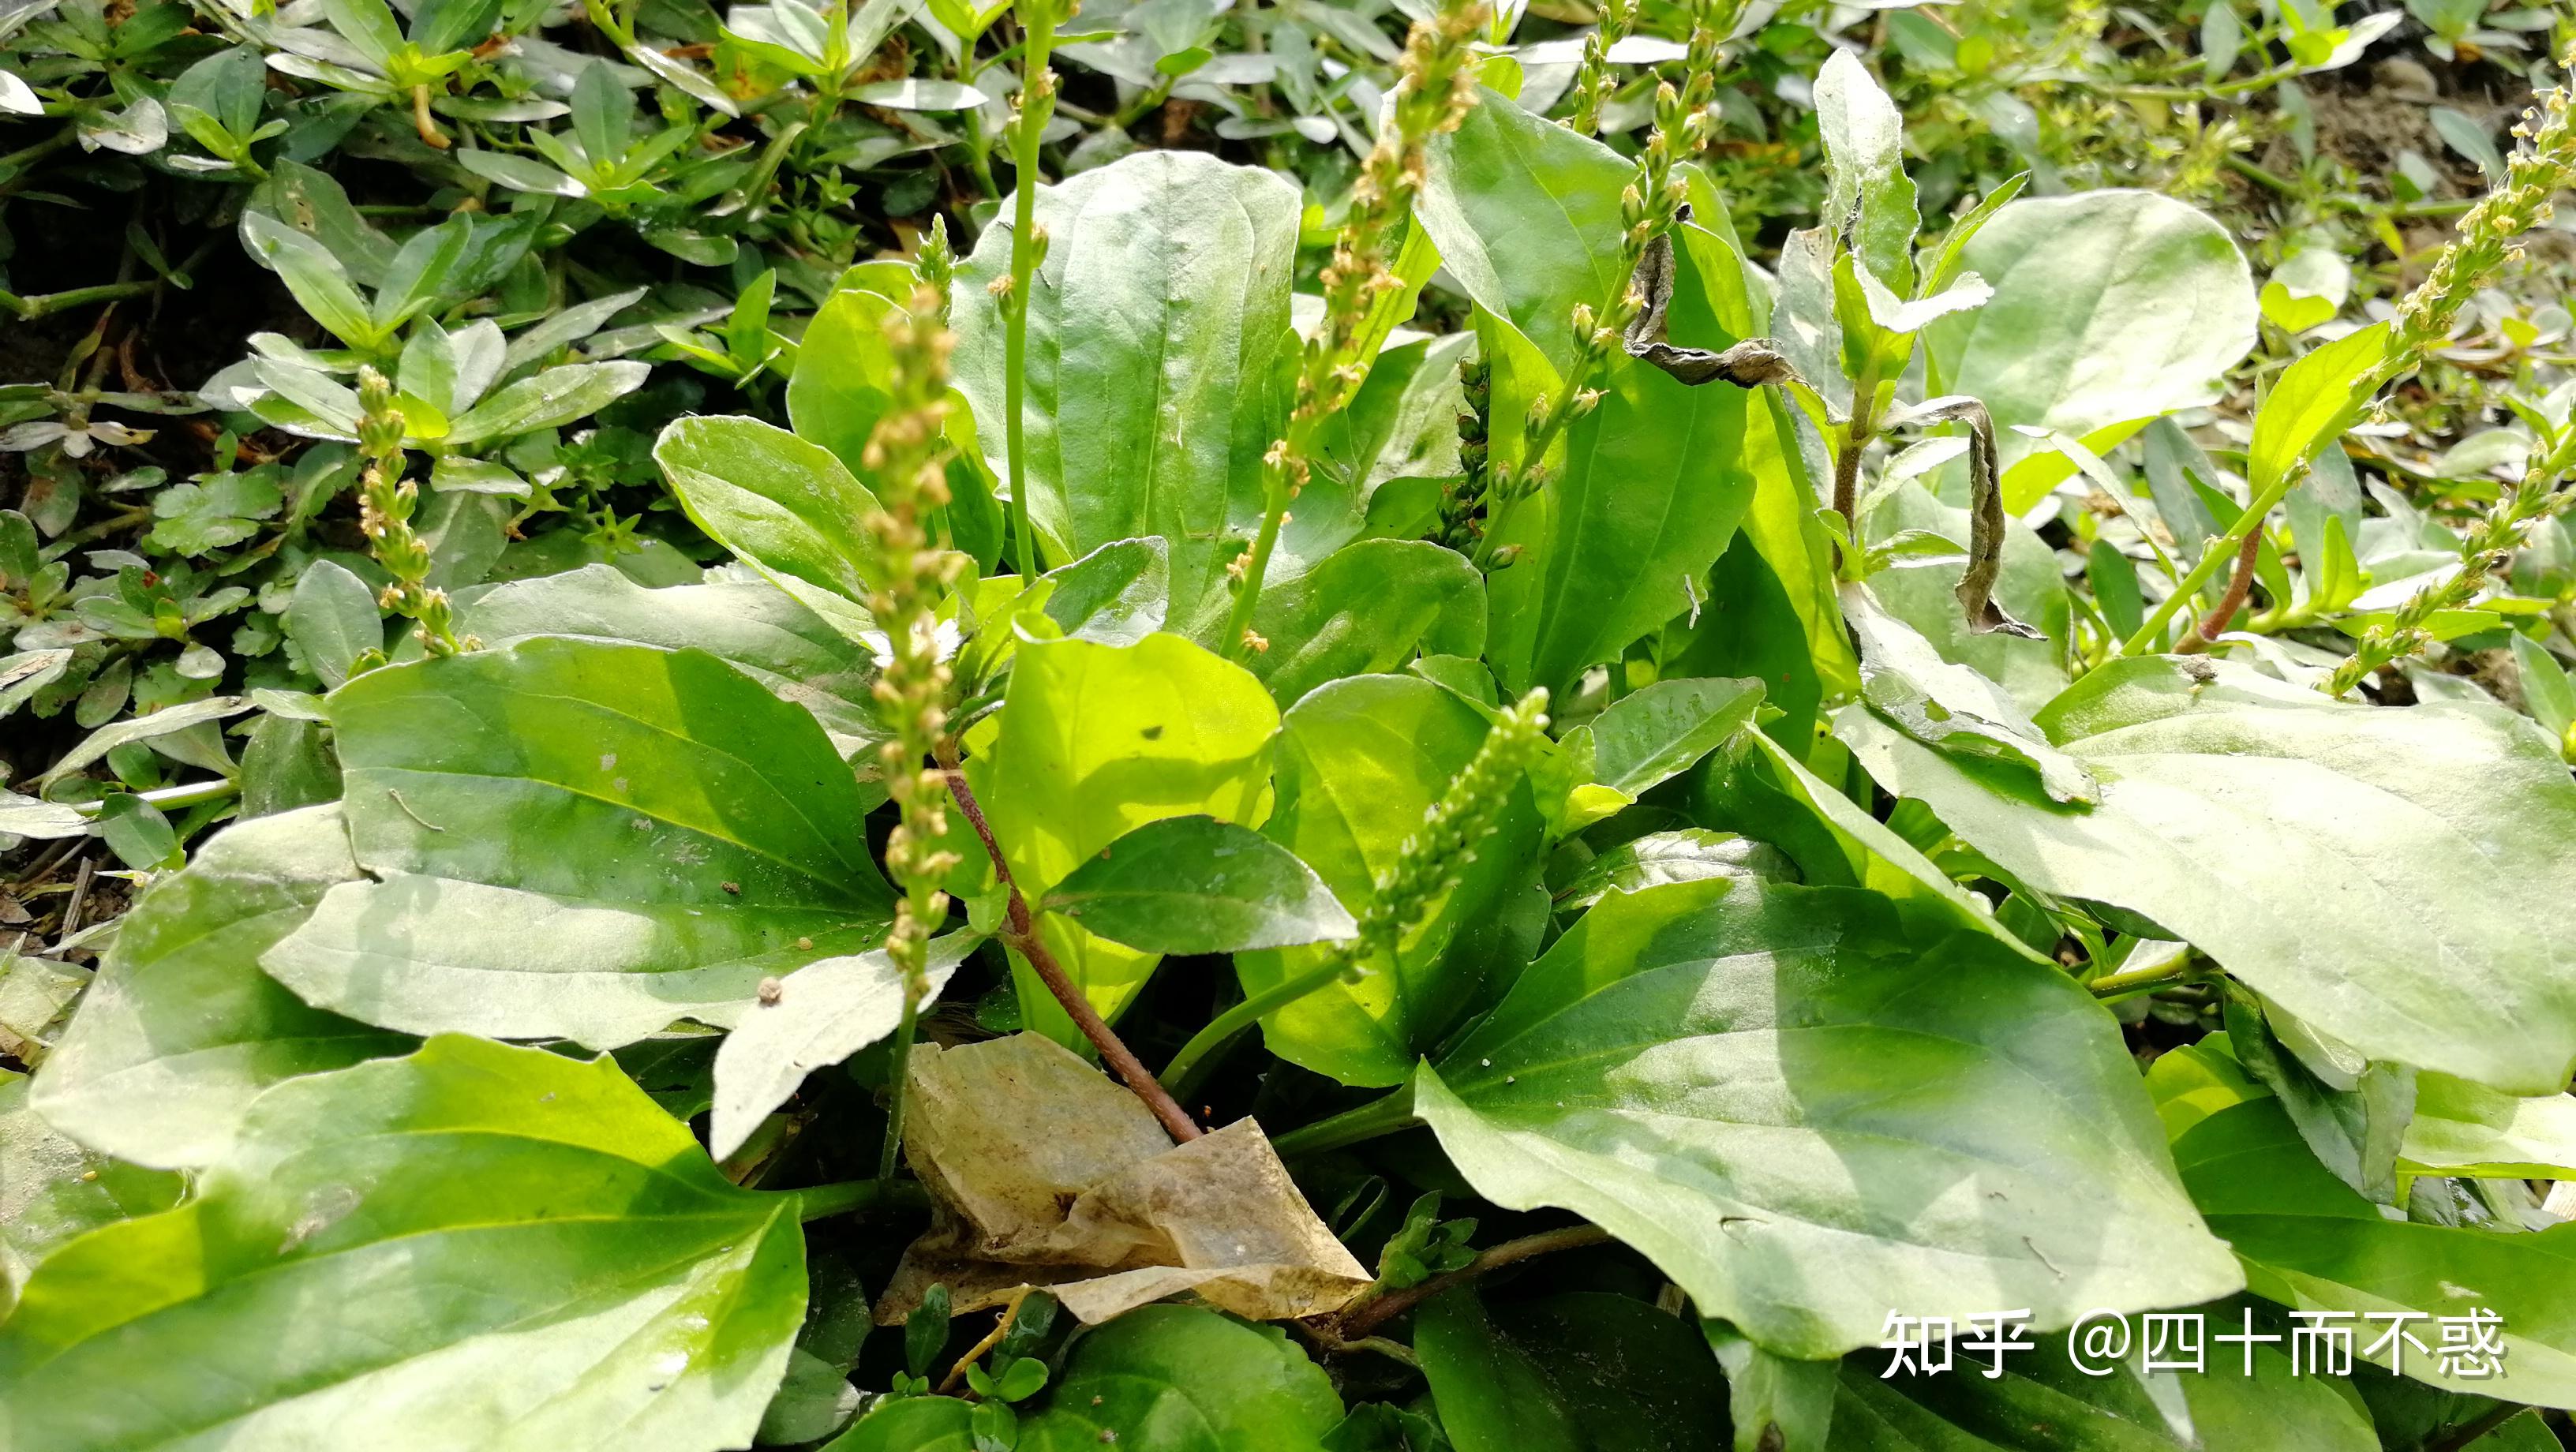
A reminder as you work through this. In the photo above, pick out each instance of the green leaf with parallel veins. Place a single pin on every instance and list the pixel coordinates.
(1094, 741)
(1587, 1372)
(1198, 885)
(334, 621)
(1368, 608)
(471, 1249)
(2462, 1128)
(1654, 481)
(1360, 762)
(52, 1189)
(181, 1031)
(582, 840)
(2307, 409)
(1687, 855)
(2425, 847)
(784, 504)
(1660, 732)
(843, 372)
(755, 627)
(1867, 192)
(2110, 308)
(1183, 1379)
(821, 1014)
(1950, 707)
(910, 1424)
(2045, 1402)
(1155, 327)
(1751, 1085)
(2310, 1242)
(1526, 216)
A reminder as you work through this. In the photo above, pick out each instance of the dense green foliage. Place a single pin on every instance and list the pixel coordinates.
(1543, 736)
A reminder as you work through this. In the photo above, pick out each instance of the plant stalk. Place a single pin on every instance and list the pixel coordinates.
(1360, 1319)
(859, 1197)
(2137, 980)
(1182, 1074)
(1020, 934)
(1037, 103)
(1377, 1118)
(898, 1063)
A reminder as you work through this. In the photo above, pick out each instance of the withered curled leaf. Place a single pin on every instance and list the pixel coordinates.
(1044, 1173)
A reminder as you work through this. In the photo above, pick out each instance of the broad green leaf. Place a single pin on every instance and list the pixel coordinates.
(1585, 1372)
(1866, 190)
(1925, 597)
(2310, 1242)
(752, 625)
(1094, 741)
(820, 1014)
(1770, 611)
(1653, 482)
(1155, 328)
(1360, 763)
(784, 504)
(2424, 848)
(843, 372)
(1403, 422)
(1369, 607)
(582, 840)
(1778, 1404)
(181, 1031)
(1526, 216)
(1183, 1379)
(1950, 707)
(1198, 885)
(471, 1249)
(2110, 308)
(2055, 1398)
(2546, 687)
(551, 399)
(52, 1189)
(2307, 408)
(1662, 731)
(334, 621)
(2462, 1128)
(1833, 841)
(1686, 855)
(1749, 1084)
(912, 1424)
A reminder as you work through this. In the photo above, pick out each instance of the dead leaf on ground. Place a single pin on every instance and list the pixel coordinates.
(1042, 1172)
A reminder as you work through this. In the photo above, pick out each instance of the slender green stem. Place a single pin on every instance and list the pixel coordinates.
(2215, 556)
(2219, 90)
(1236, 641)
(1370, 1121)
(1181, 1075)
(1037, 92)
(1376, 1311)
(2137, 980)
(862, 1197)
(898, 1062)
(29, 309)
(2253, 173)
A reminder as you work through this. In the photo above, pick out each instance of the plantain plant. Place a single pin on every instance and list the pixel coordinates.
(1590, 797)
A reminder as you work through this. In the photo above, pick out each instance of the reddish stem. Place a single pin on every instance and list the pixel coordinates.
(1020, 933)
(2239, 585)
